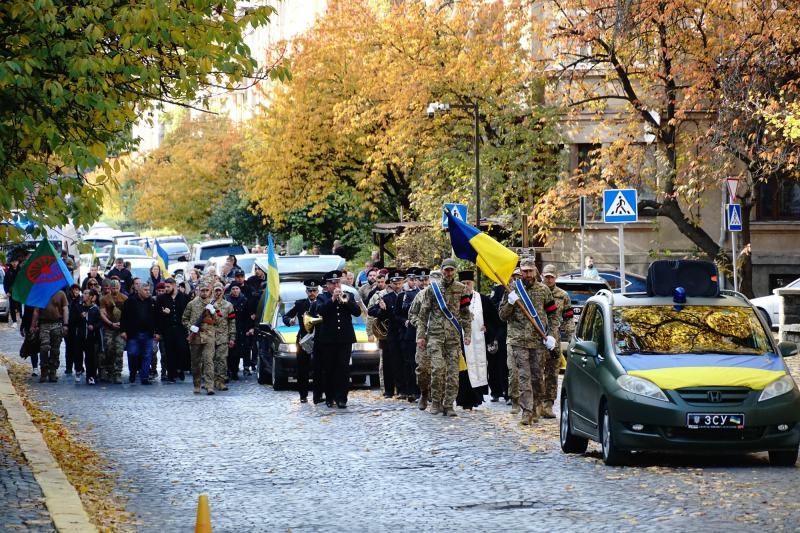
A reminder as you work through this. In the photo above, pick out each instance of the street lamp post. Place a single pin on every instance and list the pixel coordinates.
(435, 107)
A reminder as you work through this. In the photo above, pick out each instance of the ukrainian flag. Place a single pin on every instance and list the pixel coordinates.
(272, 291)
(494, 259)
(147, 248)
(162, 258)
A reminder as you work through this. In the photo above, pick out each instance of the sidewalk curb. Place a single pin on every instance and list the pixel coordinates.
(61, 498)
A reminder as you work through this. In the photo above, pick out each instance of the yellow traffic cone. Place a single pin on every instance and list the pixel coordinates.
(203, 524)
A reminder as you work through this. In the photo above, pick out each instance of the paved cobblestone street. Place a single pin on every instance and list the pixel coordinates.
(269, 463)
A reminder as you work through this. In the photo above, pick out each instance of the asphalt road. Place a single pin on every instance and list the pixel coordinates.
(269, 463)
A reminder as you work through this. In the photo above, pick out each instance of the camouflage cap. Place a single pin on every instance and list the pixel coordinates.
(550, 270)
(527, 262)
(219, 286)
(203, 284)
(448, 263)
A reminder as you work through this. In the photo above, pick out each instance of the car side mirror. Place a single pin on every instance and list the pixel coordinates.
(787, 349)
(585, 348)
(182, 258)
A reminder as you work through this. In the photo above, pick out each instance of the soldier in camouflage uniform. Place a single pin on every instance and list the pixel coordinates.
(552, 361)
(199, 318)
(225, 331)
(111, 314)
(442, 340)
(526, 346)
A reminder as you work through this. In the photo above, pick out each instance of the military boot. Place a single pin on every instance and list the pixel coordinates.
(514, 407)
(546, 410)
(436, 408)
(449, 411)
(528, 418)
(423, 401)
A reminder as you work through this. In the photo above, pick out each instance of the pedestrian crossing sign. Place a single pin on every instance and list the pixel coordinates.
(458, 211)
(619, 205)
(734, 217)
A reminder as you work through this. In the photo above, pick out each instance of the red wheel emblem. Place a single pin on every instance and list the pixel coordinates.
(41, 270)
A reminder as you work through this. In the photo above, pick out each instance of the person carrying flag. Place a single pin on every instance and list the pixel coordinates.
(443, 323)
(533, 320)
(52, 323)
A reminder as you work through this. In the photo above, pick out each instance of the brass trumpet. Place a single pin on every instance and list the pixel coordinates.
(344, 297)
(310, 321)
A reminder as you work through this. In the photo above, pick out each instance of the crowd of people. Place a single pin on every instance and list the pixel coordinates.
(443, 344)
(204, 326)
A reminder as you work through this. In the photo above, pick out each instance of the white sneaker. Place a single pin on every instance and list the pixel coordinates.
(14, 325)
(77, 378)
(90, 381)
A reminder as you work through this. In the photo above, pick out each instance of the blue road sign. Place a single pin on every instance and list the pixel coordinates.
(734, 216)
(458, 211)
(619, 205)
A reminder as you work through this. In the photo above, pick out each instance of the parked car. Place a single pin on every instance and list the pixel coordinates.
(579, 290)
(245, 261)
(176, 250)
(682, 369)
(633, 282)
(202, 251)
(770, 306)
(125, 250)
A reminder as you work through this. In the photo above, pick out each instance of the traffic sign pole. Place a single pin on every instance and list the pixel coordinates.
(622, 258)
(733, 254)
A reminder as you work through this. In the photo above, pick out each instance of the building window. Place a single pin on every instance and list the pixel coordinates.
(778, 199)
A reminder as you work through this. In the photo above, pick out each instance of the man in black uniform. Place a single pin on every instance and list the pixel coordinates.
(408, 335)
(387, 310)
(333, 341)
(295, 316)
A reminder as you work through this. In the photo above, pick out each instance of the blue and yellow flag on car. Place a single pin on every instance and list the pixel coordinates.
(494, 259)
(273, 290)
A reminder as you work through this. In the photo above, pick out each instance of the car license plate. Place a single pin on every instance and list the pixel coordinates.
(714, 421)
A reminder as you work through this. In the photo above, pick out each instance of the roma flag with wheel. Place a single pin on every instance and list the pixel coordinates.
(41, 276)
(494, 259)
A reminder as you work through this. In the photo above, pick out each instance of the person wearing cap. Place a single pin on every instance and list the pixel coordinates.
(385, 311)
(199, 318)
(552, 363)
(497, 354)
(408, 335)
(225, 335)
(73, 351)
(240, 281)
(110, 314)
(140, 329)
(333, 341)
(295, 317)
(437, 333)
(174, 351)
(244, 332)
(123, 275)
(422, 369)
(373, 295)
(526, 345)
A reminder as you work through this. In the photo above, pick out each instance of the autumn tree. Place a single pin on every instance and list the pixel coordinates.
(683, 73)
(351, 127)
(76, 74)
(187, 181)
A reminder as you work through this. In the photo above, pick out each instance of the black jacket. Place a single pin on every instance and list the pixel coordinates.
(139, 316)
(176, 308)
(337, 319)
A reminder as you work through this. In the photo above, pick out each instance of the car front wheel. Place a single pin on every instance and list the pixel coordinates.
(782, 457)
(569, 442)
(612, 456)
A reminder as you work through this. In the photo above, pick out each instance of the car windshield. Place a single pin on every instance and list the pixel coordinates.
(221, 249)
(696, 329)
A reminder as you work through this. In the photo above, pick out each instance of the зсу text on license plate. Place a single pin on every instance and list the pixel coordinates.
(714, 421)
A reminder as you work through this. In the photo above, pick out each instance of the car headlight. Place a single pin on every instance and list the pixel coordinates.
(365, 346)
(782, 385)
(287, 348)
(642, 387)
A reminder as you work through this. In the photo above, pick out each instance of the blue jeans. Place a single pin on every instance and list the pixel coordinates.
(140, 347)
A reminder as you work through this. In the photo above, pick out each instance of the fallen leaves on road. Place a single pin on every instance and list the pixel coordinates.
(85, 469)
